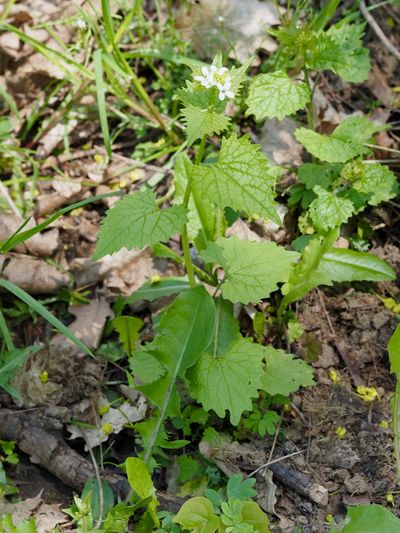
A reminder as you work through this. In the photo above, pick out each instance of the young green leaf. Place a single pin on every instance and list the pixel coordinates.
(329, 211)
(228, 382)
(140, 481)
(200, 122)
(128, 329)
(240, 488)
(242, 179)
(283, 373)
(376, 181)
(252, 269)
(346, 142)
(394, 352)
(372, 517)
(276, 95)
(352, 60)
(146, 367)
(323, 175)
(136, 221)
(254, 516)
(349, 265)
(197, 515)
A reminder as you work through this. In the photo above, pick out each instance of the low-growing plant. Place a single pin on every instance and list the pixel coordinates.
(198, 343)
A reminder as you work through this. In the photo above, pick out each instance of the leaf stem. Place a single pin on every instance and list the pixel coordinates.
(310, 106)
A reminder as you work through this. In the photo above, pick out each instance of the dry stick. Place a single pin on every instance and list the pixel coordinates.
(341, 348)
(378, 31)
(266, 465)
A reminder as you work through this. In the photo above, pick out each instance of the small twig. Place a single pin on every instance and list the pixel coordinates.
(277, 430)
(378, 31)
(266, 465)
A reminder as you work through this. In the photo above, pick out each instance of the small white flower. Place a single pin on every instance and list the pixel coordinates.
(81, 24)
(207, 78)
(221, 19)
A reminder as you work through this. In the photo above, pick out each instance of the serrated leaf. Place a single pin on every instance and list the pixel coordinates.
(252, 269)
(377, 181)
(227, 328)
(242, 179)
(200, 122)
(329, 211)
(228, 382)
(284, 374)
(136, 221)
(276, 95)
(346, 141)
(349, 265)
(352, 61)
(240, 488)
(323, 175)
(197, 515)
(128, 330)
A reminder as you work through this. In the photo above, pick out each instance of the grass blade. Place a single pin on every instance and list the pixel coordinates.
(18, 238)
(101, 100)
(45, 313)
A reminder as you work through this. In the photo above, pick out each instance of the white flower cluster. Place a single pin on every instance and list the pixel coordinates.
(213, 76)
(81, 24)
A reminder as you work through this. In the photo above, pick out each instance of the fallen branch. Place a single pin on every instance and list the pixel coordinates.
(378, 31)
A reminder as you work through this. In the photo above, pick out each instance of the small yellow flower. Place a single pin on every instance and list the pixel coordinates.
(328, 519)
(107, 428)
(155, 279)
(334, 376)
(99, 158)
(76, 212)
(44, 377)
(341, 432)
(384, 424)
(367, 394)
(390, 498)
(123, 183)
(104, 409)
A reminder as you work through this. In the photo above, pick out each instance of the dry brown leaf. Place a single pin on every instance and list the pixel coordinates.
(278, 143)
(242, 28)
(241, 230)
(48, 516)
(22, 510)
(35, 276)
(113, 421)
(42, 244)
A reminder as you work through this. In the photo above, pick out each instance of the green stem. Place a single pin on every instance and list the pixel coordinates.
(310, 106)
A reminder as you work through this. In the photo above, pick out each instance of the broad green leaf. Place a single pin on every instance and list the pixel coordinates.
(100, 506)
(203, 205)
(200, 122)
(329, 211)
(136, 221)
(349, 265)
(394, 352)
(376, 181)
(153, 433)
(352, 60)
(323, 175)
(284, 374)
(185, 331)
(197, 515)
(146, 367)
(228, 382)
(252, 269)
(128, 330)
(370, 519)
(346, 141)
(227, 328)
(276, 95)
(140, 481)
(242, 179)
(253, 515)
